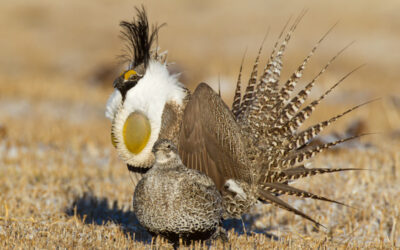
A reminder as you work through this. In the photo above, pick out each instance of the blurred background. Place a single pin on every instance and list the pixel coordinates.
(55, 52)
(58, 60)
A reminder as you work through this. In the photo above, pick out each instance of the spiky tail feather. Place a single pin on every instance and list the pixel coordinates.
(286, 113)
(269, 197)
(299, 172)
(274, 118)
(307, 153)
(296, 121)
(300, 139)
(238, 94)
(249, 93)
(271, 75)
(286, 90)
(279, 189)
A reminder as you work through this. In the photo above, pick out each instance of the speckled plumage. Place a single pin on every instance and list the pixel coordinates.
(175, 201)
(255, 149)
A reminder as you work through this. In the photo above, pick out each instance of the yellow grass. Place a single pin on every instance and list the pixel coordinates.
(61, 182)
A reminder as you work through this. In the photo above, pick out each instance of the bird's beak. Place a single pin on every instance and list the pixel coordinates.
(116, 81)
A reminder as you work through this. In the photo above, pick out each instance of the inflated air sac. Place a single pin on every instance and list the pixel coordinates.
(136, 132)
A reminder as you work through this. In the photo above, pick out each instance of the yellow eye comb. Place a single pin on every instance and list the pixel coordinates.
(129, 73)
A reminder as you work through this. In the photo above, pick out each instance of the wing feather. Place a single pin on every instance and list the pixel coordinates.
(210, 134)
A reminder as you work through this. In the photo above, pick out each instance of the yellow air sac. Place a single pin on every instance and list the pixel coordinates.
(136, 132)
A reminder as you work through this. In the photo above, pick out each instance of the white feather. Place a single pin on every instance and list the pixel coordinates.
(234, 187)
(112, 104)
(149, 96)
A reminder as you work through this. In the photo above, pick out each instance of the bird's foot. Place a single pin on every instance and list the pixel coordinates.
(220, 234)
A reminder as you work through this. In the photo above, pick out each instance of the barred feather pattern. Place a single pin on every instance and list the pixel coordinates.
(267, 68)
(249, 93)
(259, 110)
(286, 90)
(299, 157)
(291, 174)
(274, 151)
(282, 189)
(255, 111)
(273, 117)
(238, 94)
(299, 140)
(295, 103)
(270, 197)
(305, 113)
(288, 133)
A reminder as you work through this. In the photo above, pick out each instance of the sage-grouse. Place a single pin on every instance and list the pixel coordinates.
(251, 151)
(177, 202)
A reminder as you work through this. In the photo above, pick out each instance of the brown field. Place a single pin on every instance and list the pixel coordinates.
(61, 182)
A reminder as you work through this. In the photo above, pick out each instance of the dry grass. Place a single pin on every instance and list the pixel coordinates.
(61, 182)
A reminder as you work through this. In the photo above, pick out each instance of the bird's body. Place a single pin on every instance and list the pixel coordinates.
(175, 201)
(251, 151)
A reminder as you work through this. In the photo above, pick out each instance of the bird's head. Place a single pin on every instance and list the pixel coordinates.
(128, 79)
(140, 93)
(165, 151)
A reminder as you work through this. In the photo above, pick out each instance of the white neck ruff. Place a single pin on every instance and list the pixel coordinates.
(149, 96)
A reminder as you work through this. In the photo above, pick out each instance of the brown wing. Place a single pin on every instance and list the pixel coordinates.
(210, 139)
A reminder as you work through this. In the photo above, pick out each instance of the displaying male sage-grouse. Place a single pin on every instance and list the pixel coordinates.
(177, 202)
(251, 151)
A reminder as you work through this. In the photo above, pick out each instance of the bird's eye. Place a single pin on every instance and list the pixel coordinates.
(169, 146)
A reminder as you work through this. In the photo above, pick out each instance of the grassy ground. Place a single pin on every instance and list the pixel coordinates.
(61, 182)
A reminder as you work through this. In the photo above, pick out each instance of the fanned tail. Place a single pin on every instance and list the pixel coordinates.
(300, 139)
(267, 87)
(286, 113)
(286, 90)
(273, 117)
(297, 120)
